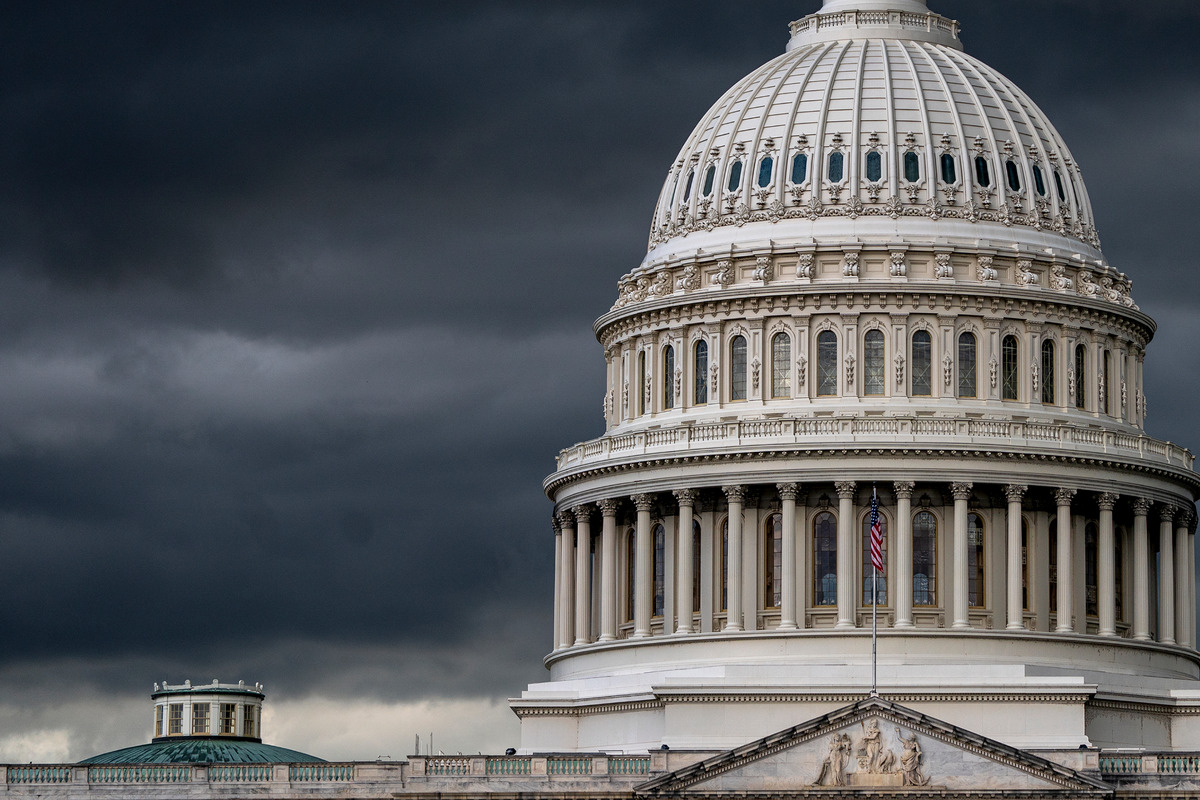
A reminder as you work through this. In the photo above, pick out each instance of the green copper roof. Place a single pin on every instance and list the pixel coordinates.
(202, 750)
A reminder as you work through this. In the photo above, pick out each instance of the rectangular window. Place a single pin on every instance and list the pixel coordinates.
(158, 721)
(1009, 368)
(199, 718)
(228, 718)
(175, 719)
(248, 726)
(737, 368)
(701, 373)
(1106, 384)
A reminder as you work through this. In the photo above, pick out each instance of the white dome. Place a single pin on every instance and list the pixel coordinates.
(931, 144)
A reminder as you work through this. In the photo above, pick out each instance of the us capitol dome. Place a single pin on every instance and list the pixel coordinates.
(873, 271)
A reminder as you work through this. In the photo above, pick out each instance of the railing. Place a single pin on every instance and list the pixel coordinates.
(569, 766)
(447, 765)
(39, 773)
(239, 773)
(808, 431)
(313, 773)
(1187, 764)
(509, 765)
(629, 765)
(164, 773)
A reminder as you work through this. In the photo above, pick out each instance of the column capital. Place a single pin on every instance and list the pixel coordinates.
(1186, 517)
(583, 513)
(1014, 492)
(686, 497)
(644, 502)
(1166, 512)
(565, 519)
(961, 490)
(1064, 496)
(1141, 506)
(787, 491)
(845, 489)
(734, 493)
(1107, 500)
(609, 506)
(904, 489)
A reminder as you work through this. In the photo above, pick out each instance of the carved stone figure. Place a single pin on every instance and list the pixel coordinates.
(833, 768)
(910, 760)
(879, 758)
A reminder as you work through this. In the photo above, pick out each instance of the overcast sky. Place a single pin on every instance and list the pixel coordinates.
(295, 312)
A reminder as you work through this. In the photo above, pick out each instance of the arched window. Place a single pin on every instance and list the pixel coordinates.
(773, 561)
(766, 168)
(1024, 564)
(669, 377)
(700, 358)
(643, 382)
(1009, 362)
(975, 562)
(687, 193)
(968, 385)
(837, 170)
(781, 365)
(1058, 184)
(924, 531)
(1091, 601)
(949, 169)
(710, 177)
(799, 168)
(912, 167)
(983, 173)
(1039, 182)
(1014, 177)
(873, 363)
(737, 368)
(868, 568)
(1048, 371)
(735, 176)
(1119, 570)
(696, 541)
(659, 569)
(824, 560)
(724, 564)
(1106, 384)
(874, 166)
(1052, 539)
(1080, 376)
(630, 574)
(922, 364)
(827, 366)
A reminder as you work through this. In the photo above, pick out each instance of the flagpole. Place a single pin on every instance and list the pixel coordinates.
(874, 604)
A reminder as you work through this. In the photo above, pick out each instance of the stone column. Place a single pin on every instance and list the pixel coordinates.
(1106, 580)
(1191, 575)
(1066, 562)
(1141, 571)
(683, 549)
(583, 583)
(733, 566)
(644, 563)
(1016, 609)
(557, 585)
(608, 569)
(787, 601)
(1166, 575)
(566, 597)
(902, 584)
(1181, 579)
(845, 555)
(962, 494)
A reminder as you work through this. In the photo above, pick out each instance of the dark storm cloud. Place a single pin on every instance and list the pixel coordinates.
(295, 307)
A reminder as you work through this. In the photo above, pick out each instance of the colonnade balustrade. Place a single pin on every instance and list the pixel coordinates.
(657, 556)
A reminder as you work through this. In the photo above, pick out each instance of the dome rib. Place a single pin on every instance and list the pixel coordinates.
(956, 116)
(819, 148)
(791, 133)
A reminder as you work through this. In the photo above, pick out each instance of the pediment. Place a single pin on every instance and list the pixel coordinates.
(875, 746)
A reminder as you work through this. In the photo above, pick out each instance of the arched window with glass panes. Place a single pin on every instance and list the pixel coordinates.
(924, 557)
(827, 364)
(1048, 372)
(737, 368)
(874, 379)
(824, 550)
(697, 540)
(1010, 376)
(643, 382)
(781, 366)
(700, 366)
(668, 377)
(1081, 377)
(723, 566)
(772, 561)
(968, 371)
(976, 561)
(630, 574)
(1091, 569)
(659, 569)
(922, 364)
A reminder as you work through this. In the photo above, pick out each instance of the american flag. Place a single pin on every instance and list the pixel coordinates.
(876, 534)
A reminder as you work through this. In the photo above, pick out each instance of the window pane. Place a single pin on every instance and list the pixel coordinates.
(1010, 361)
(695, 567)
(975, 561)
(922, 364)
(1119, 562)
(983, 174)
(660, 565)
(827, 372)
(710, 178)
(1047, 371)
(1038, 182)
(868, 568)
(764, 171)
(1106, 385)
(687, 193)
(1080, 376)
(669, 377)
(737, 368)
(701, 373)
(1053, 541)
(912, 167)
(643, 382)
(1014, 177)
(1090, 570)
(799, 168)
(773, 562)
(1058, 184)
(873, 361)
(874, 166)
(1024, 565)
(824, 560)
(630, 575)
(725, 564)
(781, 365)
(175, 719)
(735, 176)
(836, 164)
(924, 559)
(248, 726)
(199, 717)
(949, 171)
(967, 366)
